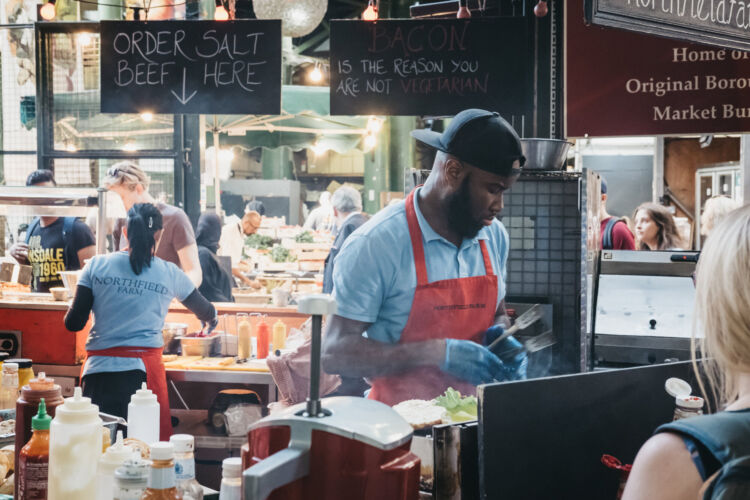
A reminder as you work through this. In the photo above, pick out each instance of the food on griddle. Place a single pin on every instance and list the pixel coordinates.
(459, 409)
(420, 414)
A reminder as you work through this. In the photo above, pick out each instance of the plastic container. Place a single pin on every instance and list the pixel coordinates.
(27, 406)
(9, 386)
(33, 459)
(231, 479)
(244, 334)
(25, 372)
(131, 480)
(143, 416)
(161, 478)
(75, 448)
(184, 467)
(111, 460)
(279, 335)
(197, 346)
(264, 339)
(686, 406)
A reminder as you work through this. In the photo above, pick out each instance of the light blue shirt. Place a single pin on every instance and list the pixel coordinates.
(374, 276)
(129, 309)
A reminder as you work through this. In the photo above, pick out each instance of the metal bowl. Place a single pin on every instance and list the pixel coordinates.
(170, 332)
(545, 154)
(197, 346)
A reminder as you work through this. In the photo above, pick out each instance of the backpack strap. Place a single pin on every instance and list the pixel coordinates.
(70, 254)
(607, 242)
(31, 228)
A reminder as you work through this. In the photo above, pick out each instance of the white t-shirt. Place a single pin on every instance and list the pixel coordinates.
(232, 240)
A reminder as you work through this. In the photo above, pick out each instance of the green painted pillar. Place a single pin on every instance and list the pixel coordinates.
(401, 156)
(276, 163)
(112, 11)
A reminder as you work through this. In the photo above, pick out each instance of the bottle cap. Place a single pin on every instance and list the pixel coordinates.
(21, 362)
(10, 367)
(41, 382)
(183, 443)
(692, 402)
(143, 396)
(41, 421)
(677, 387)
(162, 451)
(118, 452)
(77, 404)
(231, 467)
(132, 470)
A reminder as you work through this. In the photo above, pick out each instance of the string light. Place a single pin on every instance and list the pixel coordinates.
(318, 148)
(48, 10)
(463, 11)
(316, 75)
(374, 124)
(540, 10)
(221, 13)
(147, 116)
(84, 38)
(371, 12)
(370, 142)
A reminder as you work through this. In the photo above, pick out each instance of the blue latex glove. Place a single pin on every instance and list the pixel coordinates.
(510, 351)
(472, 362)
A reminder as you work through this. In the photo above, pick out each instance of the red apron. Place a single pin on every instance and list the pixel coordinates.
(461, 308)
(156, 378)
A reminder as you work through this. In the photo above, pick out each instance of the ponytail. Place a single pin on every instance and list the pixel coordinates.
(144, 220)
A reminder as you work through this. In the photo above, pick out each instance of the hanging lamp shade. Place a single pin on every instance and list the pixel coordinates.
(298, 17)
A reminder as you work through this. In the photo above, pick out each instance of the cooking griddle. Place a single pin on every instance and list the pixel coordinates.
(544, 438)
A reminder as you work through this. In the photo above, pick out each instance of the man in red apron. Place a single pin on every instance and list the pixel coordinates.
(419, 285)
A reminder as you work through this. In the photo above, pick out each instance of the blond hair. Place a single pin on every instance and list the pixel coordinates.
(715, 210)
(722, 307)
(126, 173)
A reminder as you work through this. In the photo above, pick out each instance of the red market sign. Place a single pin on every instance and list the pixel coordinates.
(622, 83)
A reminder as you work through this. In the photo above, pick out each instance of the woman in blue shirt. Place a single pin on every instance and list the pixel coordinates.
(129, 293)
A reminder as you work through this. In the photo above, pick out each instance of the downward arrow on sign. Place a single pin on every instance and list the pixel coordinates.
(183, 100)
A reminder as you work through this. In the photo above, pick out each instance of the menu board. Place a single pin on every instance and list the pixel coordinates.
(198, 67)
(428, 66)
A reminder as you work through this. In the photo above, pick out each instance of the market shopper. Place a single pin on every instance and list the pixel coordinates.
(52, 244)
(217, 282)
(681, 456)
(321, 218)
(129, 294)
(655, 228)
(177, 244)
(615, 233)
(714, 211)
(423, 280)
(347, 209)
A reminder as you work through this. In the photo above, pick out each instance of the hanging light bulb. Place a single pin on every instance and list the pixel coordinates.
(48, 10)
(374, 124)
(84, 38)
(463, 11)
(315, 74)
(540, 10)
(147, 116)
(370, 142)
(371, 12)
(318, 148)
(221, 13)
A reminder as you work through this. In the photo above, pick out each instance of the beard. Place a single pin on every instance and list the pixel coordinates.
(460, 216)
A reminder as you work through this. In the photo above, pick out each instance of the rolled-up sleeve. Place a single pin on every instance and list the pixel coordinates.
(360, 278)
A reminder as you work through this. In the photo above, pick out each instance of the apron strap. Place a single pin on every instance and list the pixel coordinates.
(416, 240)
(486, 256)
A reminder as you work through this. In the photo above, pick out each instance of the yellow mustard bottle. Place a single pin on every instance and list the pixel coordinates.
(279, 335)
(244, 332)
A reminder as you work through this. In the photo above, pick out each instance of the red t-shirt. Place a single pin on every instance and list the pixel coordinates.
(622, 238)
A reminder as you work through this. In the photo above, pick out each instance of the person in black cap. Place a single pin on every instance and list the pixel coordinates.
(420, 286)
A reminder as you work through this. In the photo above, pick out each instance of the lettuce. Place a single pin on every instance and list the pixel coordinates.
(460, 409)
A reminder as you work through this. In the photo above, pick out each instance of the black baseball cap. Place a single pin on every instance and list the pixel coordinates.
(481, 138)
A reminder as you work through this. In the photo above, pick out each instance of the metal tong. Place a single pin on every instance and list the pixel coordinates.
(524, 321)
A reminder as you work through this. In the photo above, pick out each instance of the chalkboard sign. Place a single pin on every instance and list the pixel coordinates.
(428, 66)
(199, 67)
(716, 22)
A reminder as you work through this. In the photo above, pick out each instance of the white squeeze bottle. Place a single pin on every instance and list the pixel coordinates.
(184, 467)
(112, 458)
(75, 445)
(231, 479)
(143, 416)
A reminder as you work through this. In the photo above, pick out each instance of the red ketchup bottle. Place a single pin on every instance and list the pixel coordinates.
(264, 338)
(27, 407)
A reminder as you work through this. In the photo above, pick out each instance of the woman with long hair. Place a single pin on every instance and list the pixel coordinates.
(715, 209)
(655, 228)
(129, 293)
(677, 461)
